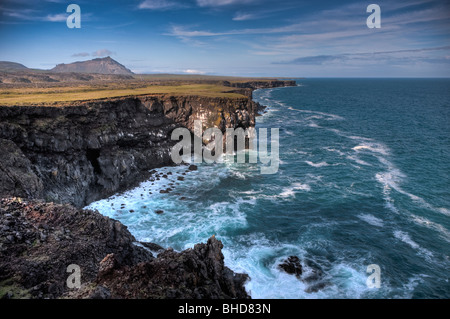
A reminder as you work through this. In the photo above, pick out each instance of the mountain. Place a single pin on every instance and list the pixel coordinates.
(100, 65)
(11, 66)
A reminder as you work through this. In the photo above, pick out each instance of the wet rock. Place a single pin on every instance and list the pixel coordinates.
(317, 286)
(292, 266)
(192, 167)
(159, 211)
(180, 178)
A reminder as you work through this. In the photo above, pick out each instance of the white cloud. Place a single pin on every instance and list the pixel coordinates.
(220, 3)
(102, 52)
(81, 54)
(55, 17)
(159, 5)
(191, 71)
(244, 16)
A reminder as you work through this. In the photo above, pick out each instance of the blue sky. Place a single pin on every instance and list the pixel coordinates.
(288, 38)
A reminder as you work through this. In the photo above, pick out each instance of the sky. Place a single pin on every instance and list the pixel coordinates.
(284, 38)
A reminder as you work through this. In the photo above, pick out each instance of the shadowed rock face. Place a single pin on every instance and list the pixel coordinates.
(39, 240)
(85, 152)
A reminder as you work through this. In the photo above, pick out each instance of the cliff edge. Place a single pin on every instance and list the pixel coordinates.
(74, 154)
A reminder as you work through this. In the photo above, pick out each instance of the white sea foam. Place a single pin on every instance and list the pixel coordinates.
(349, 282)
(373, 147)
(260, 261)
(372, 220)
(331, 149)
(391, 180)
(358, 160)
(291, 190)
(318, 115)
(320, 164)
(404, 237)
(445, 234)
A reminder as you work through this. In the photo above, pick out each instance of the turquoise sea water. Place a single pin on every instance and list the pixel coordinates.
(364, 179)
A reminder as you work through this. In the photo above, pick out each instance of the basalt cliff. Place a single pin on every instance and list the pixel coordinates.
(74, 154)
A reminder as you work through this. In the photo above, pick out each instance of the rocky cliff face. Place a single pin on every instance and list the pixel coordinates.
(38, 241)
(261, 84)
(80, 153)
(83, 152)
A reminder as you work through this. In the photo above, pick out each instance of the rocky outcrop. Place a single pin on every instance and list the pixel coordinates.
(87, 151)
(292, 266)
(38, 241)
(309, 273)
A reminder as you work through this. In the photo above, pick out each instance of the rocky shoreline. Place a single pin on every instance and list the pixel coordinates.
(40, 240)
(76, 154)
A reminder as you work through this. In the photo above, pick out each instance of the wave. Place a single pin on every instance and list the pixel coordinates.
(372, 220)
(321, 164)
(391, 179)
(372, 147)
(445, 234)
(290, 191)
(404, 237)
(323, 115)
(358, 160)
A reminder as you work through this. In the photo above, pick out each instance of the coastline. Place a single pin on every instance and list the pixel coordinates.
(13, 279)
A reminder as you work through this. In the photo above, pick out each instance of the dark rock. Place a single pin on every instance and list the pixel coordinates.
(198, 272)
(159, 211)
(292, 266)
(100, 292)
(317, 286)
(16, 176)
(107, 265)
(180, 178)
(112, 265)
(192, 167)
(153, 246)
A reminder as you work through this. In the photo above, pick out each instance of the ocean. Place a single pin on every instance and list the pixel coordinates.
(364, 178)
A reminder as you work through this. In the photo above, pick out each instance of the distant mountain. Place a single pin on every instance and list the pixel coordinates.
(100, 65)
(11, 66)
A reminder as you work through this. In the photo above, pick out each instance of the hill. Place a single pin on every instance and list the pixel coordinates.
(11, 66)
(100, 65)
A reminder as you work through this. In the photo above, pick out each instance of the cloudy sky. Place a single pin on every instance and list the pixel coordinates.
(291, 38)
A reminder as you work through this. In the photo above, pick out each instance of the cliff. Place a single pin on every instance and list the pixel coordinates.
(79, 153)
